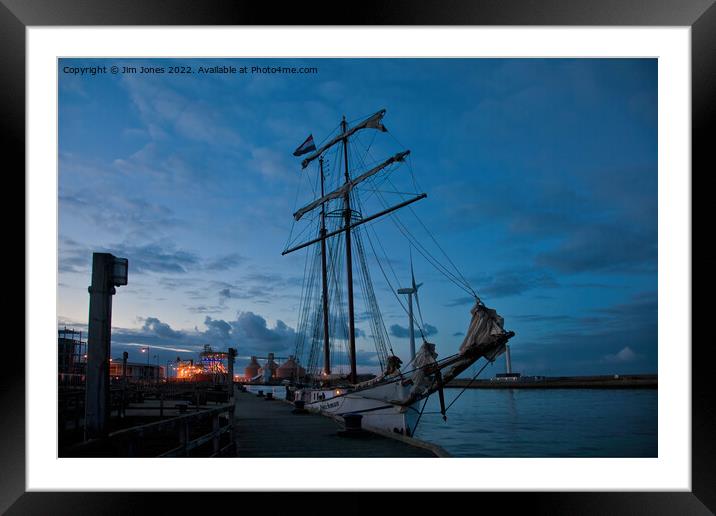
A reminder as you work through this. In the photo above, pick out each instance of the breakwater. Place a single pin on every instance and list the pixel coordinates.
(634, 381)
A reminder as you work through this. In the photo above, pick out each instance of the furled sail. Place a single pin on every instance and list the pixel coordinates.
(486, 333)
(345, 188)
(372, 122)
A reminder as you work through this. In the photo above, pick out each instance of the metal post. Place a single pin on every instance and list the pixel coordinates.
(97, 401)
(412, 328)
(230, 386)
(215, 429)
(184, 436)
(125, 356)
(508, 360)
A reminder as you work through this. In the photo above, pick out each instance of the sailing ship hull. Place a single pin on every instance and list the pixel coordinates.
(378, 414)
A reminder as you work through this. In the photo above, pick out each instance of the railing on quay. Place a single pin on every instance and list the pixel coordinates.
(173, 437)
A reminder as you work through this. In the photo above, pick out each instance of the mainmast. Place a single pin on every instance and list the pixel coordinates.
(349, 259)
(324, 274)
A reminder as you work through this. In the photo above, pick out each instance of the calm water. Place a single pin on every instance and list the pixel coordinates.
(544, 423)
(540, 422)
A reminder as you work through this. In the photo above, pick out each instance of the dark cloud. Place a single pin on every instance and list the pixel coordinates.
(252, 331)
(154, 326)
(604, 248)
(160, 257)
(226, 262)
(156, 257)
(218, 330)
(340, 332)
(400, 332)
(224, 294)
(514, 282)
(118, 214)
(172, 283)
(249, 333)
(204, 309)
(505, 283)
(461, 301)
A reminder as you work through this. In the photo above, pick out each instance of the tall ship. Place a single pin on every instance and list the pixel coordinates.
(339, 232)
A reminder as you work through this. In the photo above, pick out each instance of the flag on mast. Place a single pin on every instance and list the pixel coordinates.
(305, 147)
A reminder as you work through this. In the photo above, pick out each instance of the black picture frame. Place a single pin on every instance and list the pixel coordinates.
(700, 15)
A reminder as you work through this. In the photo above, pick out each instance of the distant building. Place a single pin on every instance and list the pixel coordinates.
(290, 370)
(252, 370)
(136, 371)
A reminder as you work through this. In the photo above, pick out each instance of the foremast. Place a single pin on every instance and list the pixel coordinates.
(324, 283)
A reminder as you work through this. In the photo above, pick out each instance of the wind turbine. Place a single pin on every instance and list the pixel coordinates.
(413, 290)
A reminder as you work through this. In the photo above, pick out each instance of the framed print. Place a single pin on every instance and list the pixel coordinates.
(442, 250)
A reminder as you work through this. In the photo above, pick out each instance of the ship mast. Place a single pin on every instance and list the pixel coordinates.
(349, 259)
(324, 274)
(344, 192)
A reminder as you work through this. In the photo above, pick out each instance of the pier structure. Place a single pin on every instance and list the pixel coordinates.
(272, 429)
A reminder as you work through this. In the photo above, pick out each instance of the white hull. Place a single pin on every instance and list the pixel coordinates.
(371, 403)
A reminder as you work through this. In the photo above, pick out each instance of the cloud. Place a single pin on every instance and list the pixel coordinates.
(204, 309)
(252, 331)
(224, 294)
(624, 355)
(514, 282)
(603, 248)
(507, 282)
(118, 214)
(157, 347)
(400, 332)
(249, 332)
(154, 326)
(226, 262)
(160, 256)
(461, 301)
(165, 110)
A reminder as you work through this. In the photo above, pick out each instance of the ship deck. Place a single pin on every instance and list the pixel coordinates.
(270, 429)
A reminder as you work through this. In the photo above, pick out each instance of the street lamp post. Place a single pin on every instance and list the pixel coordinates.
(108, 272)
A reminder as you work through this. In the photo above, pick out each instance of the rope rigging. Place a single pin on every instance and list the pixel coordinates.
(376, 187)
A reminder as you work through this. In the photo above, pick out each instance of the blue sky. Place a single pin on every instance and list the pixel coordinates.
(541, 177)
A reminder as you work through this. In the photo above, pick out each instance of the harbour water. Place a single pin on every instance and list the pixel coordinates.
(540, 422)
(544, 423)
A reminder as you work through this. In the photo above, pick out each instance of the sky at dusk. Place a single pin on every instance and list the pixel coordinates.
(541, 177)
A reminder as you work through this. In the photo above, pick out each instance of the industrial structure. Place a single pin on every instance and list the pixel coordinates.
(71, 357)
(215, 367)
(271, 371)
(135, 371)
